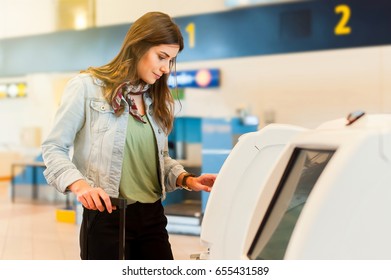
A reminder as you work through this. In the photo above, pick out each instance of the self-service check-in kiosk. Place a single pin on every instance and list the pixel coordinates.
(237, 187)
(327, 195)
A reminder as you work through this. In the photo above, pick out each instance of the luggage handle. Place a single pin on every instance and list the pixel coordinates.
(121, 204)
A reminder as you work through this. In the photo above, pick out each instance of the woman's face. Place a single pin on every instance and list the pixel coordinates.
(156, 62)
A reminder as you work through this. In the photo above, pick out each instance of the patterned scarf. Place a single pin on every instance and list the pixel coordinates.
(125, 91)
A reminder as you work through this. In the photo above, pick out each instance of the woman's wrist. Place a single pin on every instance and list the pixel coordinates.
(76, 186)
(184, 181)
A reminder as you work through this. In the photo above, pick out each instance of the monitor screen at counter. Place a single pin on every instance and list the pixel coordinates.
(298, 180)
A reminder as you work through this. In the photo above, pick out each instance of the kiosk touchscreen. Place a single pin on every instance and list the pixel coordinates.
(302, 172)
(238, 184)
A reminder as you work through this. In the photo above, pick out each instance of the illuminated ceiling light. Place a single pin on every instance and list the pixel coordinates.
(80, 20)
(12, 90)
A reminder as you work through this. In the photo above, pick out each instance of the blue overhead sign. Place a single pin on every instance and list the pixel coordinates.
(286, 28)
(203, 78)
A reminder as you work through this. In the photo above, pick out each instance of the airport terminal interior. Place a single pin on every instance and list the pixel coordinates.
(266, 92)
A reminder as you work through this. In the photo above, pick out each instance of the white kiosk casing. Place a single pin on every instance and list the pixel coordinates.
(237, 187)
(338, 211)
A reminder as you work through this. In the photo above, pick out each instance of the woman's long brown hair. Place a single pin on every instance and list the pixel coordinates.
(152, 29)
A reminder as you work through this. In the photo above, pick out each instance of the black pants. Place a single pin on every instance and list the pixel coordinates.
(146, 234)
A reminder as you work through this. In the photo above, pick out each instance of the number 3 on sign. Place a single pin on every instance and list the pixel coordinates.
(342, 27)
(190, 29)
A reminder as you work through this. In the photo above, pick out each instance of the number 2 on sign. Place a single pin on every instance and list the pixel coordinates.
(190, 29)
(342, 27)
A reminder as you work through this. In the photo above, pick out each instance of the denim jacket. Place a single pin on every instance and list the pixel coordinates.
(86, 122)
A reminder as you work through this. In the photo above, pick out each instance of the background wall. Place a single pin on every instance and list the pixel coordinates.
(303, 89)
(128, 11)
(25, 17)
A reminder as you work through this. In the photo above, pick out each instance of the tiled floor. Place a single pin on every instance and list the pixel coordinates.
(29, 231)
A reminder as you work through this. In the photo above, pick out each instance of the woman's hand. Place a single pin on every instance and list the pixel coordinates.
(91, 198)
(202, 183)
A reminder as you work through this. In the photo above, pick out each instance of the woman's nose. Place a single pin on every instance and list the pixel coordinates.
(165, 68)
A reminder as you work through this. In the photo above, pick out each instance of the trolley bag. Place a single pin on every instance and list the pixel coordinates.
(121, 205)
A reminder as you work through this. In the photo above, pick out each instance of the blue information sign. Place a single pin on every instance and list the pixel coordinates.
(203, 78)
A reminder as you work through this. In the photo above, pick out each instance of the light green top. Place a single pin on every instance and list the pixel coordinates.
(139, 179)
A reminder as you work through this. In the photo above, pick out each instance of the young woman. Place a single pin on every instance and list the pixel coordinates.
(117, 118)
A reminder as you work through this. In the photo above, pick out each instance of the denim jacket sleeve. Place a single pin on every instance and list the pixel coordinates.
(172, 170)
(69, 119)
